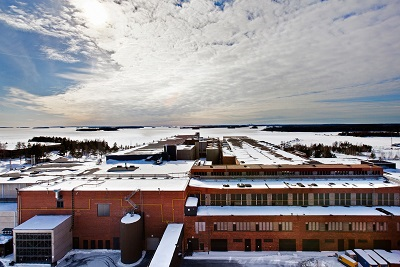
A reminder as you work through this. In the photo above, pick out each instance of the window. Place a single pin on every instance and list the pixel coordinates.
(329, 240)
(268, 240)
(385, 199)
(238, 200)
(321, 199)
(265, 226)
(285, 226)
(103, 210)
(60, 204)
(379, 227)
(312, 226)
(364, 199)
(237, 240)
(335, 226)
(359, 226)
(199, 227)
(300, 199)
(279, 199)
(342, 199)
(218, 200)
(259, 199)
(362, 241)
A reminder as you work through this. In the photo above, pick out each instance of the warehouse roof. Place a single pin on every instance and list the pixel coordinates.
(162, 183)
(344, 182)
(168, 244)
(289, 211)
(43, 222)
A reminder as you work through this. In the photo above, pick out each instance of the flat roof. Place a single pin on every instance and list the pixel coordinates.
(365, 256)
(43, 222)
(288, 211)
(162, 183)
(288, 167)
(344, 182)
(8, 207)
(192, 202)
(388, 256)
(375, 256)
(165, 250)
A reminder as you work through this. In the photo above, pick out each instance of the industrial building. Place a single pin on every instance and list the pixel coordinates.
(281, 203)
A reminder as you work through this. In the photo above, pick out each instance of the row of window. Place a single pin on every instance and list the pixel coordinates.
(299, 199)
(246, 226)
(347, 226)
(285, 173)
(288, 226)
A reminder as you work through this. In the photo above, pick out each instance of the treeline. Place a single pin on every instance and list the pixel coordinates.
(389, 128)
(76, 148)
(371, 134)
(325, 151)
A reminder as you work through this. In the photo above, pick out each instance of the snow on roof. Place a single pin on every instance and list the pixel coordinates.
(42, 222)
(5, 238)
(262, 153)
(112, 184)
(184, 147)
(287, 211)
(388, 256)
(130, 218)
(365, 256)
(148, 167)
(392, 209)
(192, 202)
(166, 248)
(375, 256)
(293, 183)
(8, 207)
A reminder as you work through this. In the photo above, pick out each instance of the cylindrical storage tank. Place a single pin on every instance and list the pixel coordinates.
(131, 238)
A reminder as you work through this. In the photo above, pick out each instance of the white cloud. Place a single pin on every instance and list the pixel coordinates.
(153, 62)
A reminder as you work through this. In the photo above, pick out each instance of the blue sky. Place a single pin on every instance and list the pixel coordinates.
(180, 62)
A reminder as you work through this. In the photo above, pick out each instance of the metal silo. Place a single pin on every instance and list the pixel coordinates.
(131, 237)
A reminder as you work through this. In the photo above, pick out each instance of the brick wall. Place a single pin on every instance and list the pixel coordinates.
(158, 209)
(328, 240)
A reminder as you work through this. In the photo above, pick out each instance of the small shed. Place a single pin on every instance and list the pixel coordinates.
(191, 206)
(42, 239)
(6, 245)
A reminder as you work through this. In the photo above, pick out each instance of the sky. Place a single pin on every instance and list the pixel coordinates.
(190, 62)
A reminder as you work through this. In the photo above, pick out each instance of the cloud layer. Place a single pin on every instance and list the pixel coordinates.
(157, 62)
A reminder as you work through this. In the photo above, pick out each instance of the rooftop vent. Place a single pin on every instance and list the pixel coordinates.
(241, 185)
(225, 185)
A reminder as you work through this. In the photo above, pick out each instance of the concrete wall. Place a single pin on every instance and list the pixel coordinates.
(62, 240)
(8, 219)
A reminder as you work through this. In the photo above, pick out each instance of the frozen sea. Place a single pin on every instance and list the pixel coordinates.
(149, 134)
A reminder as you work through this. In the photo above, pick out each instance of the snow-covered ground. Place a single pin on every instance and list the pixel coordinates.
(107, 258)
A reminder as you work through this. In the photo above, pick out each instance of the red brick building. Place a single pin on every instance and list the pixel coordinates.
(97, 206)
(304, 207)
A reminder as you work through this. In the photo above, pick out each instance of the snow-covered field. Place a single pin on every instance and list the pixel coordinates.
(133, 137)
